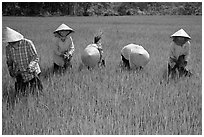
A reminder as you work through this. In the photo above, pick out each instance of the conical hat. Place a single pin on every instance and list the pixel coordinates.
(11, 35)
(127, 49)
(90, 56)
(181, 33)
(138, 57)
(64, 27)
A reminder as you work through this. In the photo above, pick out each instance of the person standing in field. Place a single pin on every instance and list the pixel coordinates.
(63, 49)
(22, 61)
(179, 54)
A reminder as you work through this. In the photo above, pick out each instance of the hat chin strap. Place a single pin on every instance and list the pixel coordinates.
(66, 35)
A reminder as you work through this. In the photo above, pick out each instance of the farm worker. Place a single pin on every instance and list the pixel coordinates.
(97, 41)
(134, 56)
(90, 56)
(22, 62)
(93, 53)
(63, 49)
(179, 53)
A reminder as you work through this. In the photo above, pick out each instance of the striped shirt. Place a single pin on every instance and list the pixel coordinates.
(19, 56)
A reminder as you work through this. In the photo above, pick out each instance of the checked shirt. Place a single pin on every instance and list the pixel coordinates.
(19, 57)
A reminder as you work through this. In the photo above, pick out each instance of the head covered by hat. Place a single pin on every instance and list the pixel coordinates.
(10, 35)
(63, 27)
(180, 33)
(136, 55)
(90, 56)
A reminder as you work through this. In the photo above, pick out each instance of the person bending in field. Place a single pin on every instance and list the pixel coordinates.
(63, 49)
(22, 61)
(179, 54)
(125, 62)
(97, 41)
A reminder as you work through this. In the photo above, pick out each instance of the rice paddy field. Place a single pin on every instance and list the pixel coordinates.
(108, 101)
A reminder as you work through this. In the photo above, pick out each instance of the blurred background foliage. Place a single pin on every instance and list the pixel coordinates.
(100, 8)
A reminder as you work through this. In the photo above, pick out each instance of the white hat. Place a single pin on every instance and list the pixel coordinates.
(181, 33)
(90, 56)
(138, 57)
(64, 27)
(11, 35)
(127, 49)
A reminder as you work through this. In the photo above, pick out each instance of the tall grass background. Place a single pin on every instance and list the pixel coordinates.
(109, 100)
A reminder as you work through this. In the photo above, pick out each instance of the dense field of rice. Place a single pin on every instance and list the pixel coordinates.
(108, 101)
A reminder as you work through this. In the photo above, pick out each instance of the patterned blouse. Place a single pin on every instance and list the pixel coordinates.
(176, 51)
(19, 56)
(60, 48)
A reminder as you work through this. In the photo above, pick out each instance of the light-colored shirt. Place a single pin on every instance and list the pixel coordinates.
(60, 48)
(20, 56)
(176, 51)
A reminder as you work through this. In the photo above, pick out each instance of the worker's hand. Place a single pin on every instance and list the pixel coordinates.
(172, 64)
(67, 55)
(12, 73)
(31, 66)
(173, 59)
(31, 69)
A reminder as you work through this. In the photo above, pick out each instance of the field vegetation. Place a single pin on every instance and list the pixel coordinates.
(108, 100)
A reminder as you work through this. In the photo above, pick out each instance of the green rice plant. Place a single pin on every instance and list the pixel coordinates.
(108, 101)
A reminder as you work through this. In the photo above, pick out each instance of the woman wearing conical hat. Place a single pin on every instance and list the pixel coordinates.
(179, 53)
(63, 49)
(134, 56)
(93, 54)
(22, 61)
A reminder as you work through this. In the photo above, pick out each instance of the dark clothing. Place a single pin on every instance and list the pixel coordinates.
(59, 69)
(30, 86)
(102, 62)
(125, 62)
(24, 89)
(67, 64)
(97, 41)
(180, 66)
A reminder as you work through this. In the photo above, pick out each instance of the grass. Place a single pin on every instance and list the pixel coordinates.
(109, 101)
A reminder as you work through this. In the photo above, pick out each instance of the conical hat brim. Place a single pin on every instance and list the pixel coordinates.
(127, 49)
(90, 56)
(64, 27)
(10, 35)
(138, 57)
(181, 33)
